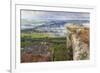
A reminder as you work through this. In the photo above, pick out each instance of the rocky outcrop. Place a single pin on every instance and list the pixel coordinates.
(78, 41)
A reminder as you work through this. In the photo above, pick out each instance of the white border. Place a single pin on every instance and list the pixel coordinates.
(15, 57)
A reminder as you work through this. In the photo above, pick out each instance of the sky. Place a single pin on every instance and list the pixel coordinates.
(53, 15)
(38, 18)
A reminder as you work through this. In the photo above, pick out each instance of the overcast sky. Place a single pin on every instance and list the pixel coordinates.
(51, 15)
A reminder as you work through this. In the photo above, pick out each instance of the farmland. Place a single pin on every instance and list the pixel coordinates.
(40, 44)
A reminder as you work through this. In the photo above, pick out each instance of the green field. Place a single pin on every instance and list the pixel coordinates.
(57, 45)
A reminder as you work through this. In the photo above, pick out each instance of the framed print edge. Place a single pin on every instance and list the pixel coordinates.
(16, 66)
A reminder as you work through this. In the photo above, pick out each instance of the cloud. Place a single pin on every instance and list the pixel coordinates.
(51, 15)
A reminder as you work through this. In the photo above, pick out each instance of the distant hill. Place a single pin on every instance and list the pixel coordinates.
(57, 27)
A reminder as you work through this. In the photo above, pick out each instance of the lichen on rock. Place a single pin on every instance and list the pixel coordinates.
(78, 39)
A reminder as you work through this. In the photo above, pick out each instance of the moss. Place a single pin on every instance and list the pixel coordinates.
(83, 56)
